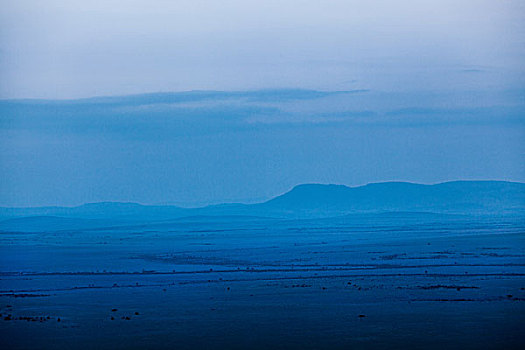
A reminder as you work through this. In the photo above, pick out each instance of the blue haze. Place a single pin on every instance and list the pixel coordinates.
(205, 147)
(246, 174)
(239, 101)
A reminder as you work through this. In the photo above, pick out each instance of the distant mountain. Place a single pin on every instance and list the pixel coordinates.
(462, 197)
(305, 201)
(102, 210)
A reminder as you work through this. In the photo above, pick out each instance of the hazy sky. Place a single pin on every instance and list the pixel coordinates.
(438, 93)
(65, 49)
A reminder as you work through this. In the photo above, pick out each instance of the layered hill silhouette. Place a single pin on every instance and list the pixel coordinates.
(303, 201)
(465, 197)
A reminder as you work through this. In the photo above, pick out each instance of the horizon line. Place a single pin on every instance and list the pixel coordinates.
(267, 200)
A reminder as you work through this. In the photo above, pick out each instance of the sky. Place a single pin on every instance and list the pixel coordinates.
(346, 92)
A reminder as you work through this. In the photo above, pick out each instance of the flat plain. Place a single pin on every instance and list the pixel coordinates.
(391, 280)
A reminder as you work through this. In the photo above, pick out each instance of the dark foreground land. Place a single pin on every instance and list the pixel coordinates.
(364, 281)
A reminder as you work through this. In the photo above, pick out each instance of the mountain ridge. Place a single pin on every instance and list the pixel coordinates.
(320, 200)
(453, 196)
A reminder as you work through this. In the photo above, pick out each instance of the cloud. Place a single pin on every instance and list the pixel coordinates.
(164, 115)
(473, 70)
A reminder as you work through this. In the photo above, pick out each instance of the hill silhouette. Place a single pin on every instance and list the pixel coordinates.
(303, 201)
(466, 197)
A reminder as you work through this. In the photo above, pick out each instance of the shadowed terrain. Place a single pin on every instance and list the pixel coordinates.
(365, 280)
